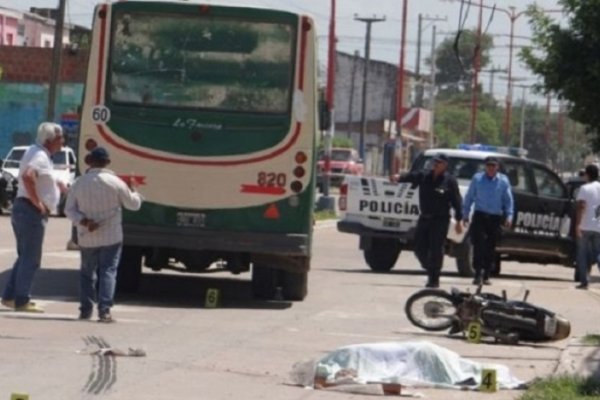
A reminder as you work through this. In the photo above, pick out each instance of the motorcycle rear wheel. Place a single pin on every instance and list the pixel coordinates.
(431, 310)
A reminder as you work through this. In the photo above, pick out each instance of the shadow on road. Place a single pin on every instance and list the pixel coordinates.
(417, 272)
(189, 291)
(157, 290)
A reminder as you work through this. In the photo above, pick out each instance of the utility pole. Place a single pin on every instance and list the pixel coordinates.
(476, 67)
(326, 202)
(492, 73)
(363, 114)
(420, 90)
(56, 60)
(432, 89)
(396, 160)
(351, 99)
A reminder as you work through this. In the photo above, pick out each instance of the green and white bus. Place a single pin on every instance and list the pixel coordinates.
(213, 110)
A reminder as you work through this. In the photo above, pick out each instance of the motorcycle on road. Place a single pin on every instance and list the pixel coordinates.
(507, 321)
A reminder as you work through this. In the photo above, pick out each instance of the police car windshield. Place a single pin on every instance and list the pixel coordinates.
(461, 168)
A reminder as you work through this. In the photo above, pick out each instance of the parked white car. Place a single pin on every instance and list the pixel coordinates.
(64, 160)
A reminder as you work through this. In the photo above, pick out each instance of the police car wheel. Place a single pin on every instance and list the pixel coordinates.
(464, 258)
(382, 254)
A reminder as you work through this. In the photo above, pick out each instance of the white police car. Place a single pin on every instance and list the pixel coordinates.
(385, 214)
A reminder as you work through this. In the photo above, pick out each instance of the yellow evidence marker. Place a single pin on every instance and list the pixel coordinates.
(212, 298)
(488, 381)
(474, 332)
(19, 396)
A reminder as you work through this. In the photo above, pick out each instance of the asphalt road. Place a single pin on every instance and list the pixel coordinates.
(245, 349)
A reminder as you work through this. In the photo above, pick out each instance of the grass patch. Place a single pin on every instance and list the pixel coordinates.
(325, 214)
(563, 388)
(591, 339)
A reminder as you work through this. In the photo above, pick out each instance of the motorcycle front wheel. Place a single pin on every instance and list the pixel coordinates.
(431, 310)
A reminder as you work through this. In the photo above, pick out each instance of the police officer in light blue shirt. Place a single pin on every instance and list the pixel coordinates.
(491, 196)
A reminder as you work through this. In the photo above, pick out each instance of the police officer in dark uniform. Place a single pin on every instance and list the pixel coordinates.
(438, 192)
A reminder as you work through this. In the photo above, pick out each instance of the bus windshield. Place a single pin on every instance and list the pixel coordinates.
(183, 61)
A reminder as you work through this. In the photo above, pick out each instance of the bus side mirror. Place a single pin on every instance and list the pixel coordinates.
(324, 116)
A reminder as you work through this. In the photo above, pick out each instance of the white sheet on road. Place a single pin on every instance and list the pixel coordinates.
(420, 364)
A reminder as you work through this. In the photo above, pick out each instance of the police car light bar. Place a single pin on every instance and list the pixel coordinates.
(513, 151)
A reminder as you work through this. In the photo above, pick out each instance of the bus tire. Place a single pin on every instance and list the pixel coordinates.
(264, 282)
(294, 285)
(382, 254)
(464, 258)
(129, 273)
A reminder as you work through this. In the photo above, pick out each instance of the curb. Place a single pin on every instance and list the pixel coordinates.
(579, 359)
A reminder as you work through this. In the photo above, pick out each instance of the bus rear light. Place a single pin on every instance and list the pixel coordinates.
(301, 157)
(299, 172)
(272, 212)
(204, 9)
(90, 144)
(296, 186)
(294, 201)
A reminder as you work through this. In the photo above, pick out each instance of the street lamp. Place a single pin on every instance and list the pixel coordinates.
(513, 17)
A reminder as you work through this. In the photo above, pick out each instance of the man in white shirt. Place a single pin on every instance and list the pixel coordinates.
(37, 196)
(587, 228)
(94, 205)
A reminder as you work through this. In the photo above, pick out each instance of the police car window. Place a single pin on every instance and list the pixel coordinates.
(517, 176)
(461, 168)
(548, 184)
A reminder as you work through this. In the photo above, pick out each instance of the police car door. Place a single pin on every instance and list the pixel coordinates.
(551, 221)
(525, 201)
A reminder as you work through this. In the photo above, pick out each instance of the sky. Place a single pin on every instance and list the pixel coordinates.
(385, 43)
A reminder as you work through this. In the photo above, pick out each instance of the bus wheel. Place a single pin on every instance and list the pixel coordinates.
(294, 285)
(264, 282)
(382, 254)
(129, 273)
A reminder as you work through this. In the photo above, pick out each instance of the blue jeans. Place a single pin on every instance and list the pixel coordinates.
(29, 226)
(588, 253)
(98, 265)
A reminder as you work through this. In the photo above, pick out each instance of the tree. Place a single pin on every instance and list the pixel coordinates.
(451, 75)
(567, 58)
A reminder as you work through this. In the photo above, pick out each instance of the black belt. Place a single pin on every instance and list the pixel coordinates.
(433, 216)
(487, 215)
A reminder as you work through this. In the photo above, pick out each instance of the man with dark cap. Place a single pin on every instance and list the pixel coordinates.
(94, 205)
(438, 192)
(491, 196)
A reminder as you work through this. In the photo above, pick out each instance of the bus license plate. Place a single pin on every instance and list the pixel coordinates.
(191, 219)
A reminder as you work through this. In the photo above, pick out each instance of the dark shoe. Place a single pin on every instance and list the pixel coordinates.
(477, 281)
(85, 315)
(582, 286)
(105, 318)
(8, 303)
(487, 282)
(433, 285)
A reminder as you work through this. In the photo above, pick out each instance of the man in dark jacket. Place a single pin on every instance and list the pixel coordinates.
(438, 192)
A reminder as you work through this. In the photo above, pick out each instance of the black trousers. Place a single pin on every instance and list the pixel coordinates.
(485, 231)
(430, 237)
